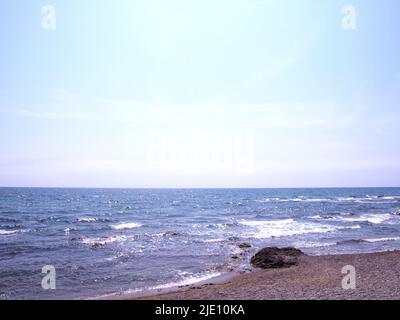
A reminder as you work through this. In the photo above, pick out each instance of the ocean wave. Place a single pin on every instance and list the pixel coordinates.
(383, 239)
(188, 279)
(371, 218)
(319, 217)
(360, 199)
(11, 232)
(68, 230)
(374, 218)
(129, 225)
(166, 234)
(8, 232)
(285, 227)
(314, 244)
(368, 199)
(86, 219)
(367, 240)
(350, 241)
(297, 199)
(5, 219)
(103, 241)
(349, 227)
(213, 240)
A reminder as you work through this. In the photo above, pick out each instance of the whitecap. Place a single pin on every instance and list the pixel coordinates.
(314, 244)
(372, 218)
(104, 241)
(382, 239)
(129, 225)
(297, 199)
(86, 219)
(369, 199)
(319, 217)
(188, 279)
(350, 227)
(12, 232)
(285, 227)
(369, 217)
(8, 232)
(214, 240)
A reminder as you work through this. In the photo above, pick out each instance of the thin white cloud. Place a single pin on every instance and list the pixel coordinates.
(273, 68)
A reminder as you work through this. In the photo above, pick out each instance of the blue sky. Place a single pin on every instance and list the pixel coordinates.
(238, 93)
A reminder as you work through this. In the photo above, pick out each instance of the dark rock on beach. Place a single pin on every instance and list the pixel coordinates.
(273, 257)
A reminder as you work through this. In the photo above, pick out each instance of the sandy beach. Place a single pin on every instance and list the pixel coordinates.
(315, 277)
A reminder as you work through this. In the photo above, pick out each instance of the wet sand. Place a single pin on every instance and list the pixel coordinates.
(315, 277)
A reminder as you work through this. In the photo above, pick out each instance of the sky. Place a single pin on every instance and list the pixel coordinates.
(202, 93)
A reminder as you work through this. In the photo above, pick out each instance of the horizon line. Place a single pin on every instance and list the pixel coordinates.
(199, 188)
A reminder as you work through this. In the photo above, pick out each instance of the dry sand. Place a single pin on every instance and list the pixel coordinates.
(315, 277)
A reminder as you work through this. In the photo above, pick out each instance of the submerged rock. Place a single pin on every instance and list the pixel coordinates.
(273, 257)
(170, 234)
(244, 245)
(97, 245)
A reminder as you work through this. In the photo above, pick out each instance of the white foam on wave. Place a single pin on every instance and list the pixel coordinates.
(369, 217)
(369, 199)
(285, 227)
(188, 279)
(104, 241)
(129, 225)
(86, 219)
(12, 232)
(297, 199)
(214, 240)
(350, 227)
(344, 199)
(372, 218)
(382, 239)
(319, 217)
(262, 200)
(314, 244)
(8, 232)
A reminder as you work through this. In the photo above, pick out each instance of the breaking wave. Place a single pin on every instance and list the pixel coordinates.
(122, 226)
(285, 227)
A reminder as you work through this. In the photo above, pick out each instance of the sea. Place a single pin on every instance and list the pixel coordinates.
(107, 242)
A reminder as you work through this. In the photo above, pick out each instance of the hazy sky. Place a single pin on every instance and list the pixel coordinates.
(202, 93)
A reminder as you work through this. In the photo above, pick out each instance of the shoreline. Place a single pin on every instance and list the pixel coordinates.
(315, 277)
(148, 293)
